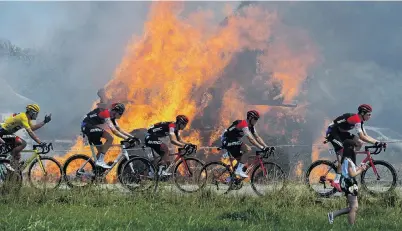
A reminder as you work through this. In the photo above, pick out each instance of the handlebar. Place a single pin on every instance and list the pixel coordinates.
(266, 153)
(129, 143)
(190, 150)
(377, 150)
(43, 149)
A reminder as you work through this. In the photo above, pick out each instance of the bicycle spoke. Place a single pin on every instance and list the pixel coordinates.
(215, 177)
(45, 174)
(271, 178)
(187, 173)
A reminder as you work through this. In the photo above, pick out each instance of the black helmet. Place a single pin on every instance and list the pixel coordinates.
(182, 119)
(119, 108)
(253, 114)
(365, 108)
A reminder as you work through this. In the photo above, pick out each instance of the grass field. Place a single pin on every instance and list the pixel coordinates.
(100, 209)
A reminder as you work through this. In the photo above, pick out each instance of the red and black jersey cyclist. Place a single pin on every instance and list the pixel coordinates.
(339, 131)
(231, 139)
(166, 129)
(92, 124)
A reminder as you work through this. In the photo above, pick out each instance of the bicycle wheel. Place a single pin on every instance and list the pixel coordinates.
(120, 166)
(47, 177)
(384, 183)
(317, 176)
(79, 171)
(138, 174)
(271, 178)
(216, 177)
(186, 174)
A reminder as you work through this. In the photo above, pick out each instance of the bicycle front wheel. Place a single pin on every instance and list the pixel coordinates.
(318, 175)
(216, 177)
(186, 174)
(266, 178)
(79, 171)
(45, 173)
(138, 174)
(382, 182)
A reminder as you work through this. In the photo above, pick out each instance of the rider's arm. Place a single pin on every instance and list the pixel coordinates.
(122, 131)
(251, 138)
(114, 130)
(174, 136)
(33, 135)
(35, 127)
(363, 135)
(181, 140)
(258, 138)
(351, 170)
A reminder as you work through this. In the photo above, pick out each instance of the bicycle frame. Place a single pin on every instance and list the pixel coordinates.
(257, 160)
(368, 158)
(123, 154)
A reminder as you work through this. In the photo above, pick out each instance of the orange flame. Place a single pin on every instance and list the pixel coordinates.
(171, 68)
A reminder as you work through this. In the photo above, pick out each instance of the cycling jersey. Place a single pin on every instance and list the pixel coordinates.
(97, 116)
(163, 129)
(238, 129)
(89, 126)
(15, 122)
(338, 130)
(349, 121)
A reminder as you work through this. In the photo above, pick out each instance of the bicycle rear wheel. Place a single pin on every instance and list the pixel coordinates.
(48, 177)
(216, 177)
(79, 171)
(271, 178)
(384, 183)
(317, 177)
(186, 174)
(138, 174)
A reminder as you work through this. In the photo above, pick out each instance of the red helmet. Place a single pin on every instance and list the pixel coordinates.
(253, 114)
(118, 107)
(365, 108)
(182, 119)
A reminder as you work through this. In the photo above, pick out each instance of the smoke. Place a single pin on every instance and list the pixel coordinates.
(77, 45)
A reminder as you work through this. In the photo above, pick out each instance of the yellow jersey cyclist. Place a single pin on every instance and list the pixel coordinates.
(18, 121)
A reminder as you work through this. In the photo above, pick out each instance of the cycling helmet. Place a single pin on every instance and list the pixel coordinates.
(182, 119)
(253, 114)
(119, 108)
(365, 108)
(33, 108)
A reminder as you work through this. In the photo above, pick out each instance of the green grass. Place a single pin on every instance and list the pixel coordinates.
(96, 209)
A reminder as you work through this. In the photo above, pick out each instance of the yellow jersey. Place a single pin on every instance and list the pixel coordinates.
(15, 122)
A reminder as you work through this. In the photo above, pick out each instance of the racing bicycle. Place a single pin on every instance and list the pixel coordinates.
(184, 170)
(379, 177)
(265, 175)
(44, 172)
(80, 170)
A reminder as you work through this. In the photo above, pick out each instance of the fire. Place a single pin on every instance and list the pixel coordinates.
(317, 144)
(173, 66)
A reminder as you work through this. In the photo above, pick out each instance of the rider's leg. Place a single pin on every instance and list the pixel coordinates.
(108, 143)
(240, 149)
(20, 144)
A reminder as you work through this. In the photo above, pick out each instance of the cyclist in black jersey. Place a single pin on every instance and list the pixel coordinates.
(339, 131)
(166, 129)
(92, 127)
(231, 139)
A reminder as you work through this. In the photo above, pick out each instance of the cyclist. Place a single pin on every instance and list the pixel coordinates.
(349, 183)
(231, 139)
(17, 121)
(92, 124)
(166, 129)
(338, 132)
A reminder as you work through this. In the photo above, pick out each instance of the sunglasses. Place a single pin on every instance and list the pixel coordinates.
(369, 114)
